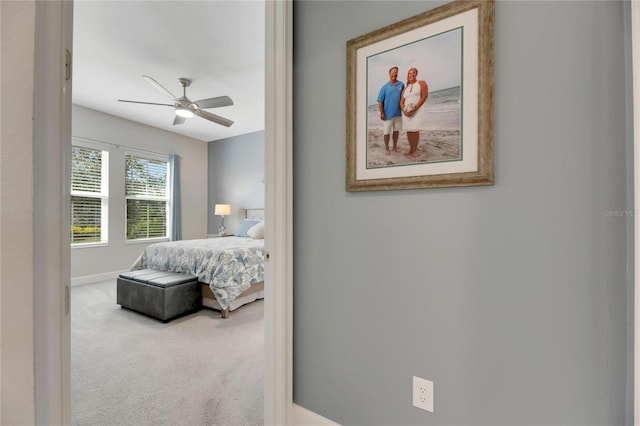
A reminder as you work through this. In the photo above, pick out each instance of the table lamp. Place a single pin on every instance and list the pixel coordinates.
(222, 210)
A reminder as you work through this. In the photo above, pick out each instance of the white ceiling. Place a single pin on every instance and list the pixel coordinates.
(219, 45)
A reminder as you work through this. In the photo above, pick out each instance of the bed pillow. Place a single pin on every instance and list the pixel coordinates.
(257, 231)
(245, 225)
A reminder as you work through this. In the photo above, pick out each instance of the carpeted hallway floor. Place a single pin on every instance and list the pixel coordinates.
(129, 369)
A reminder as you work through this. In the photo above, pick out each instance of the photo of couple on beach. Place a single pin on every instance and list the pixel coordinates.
(414, 103)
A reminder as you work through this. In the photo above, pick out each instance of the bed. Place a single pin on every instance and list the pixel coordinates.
(230, 269)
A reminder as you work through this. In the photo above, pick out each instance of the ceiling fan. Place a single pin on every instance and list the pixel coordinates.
(186, 108)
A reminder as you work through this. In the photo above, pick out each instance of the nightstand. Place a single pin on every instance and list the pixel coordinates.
(218, 236)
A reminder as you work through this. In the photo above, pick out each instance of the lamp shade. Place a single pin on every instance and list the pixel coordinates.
(222, 210)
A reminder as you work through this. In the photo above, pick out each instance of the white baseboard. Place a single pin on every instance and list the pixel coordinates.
(304, 417)
(89, 279)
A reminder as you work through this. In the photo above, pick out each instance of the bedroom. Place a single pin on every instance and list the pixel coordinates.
(228, 170)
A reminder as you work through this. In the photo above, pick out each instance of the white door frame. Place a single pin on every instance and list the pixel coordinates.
(278, 398)
(52, 136)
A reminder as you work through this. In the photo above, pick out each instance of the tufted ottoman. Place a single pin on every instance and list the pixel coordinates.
(162, 295)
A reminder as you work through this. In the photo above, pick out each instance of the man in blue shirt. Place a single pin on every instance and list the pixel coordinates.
(389, 105)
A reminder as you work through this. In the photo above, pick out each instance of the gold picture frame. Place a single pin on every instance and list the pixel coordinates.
(451, 48)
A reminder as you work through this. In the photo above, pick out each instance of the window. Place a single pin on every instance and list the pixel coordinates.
(146, 191)
(89, 195)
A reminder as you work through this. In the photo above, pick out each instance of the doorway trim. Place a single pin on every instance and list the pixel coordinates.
(52, 250)
(278, 397)
(52, 136)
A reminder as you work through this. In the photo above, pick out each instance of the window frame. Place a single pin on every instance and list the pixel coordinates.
(103, 195)
(167, 199)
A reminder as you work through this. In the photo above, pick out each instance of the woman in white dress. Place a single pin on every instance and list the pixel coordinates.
(413, 97)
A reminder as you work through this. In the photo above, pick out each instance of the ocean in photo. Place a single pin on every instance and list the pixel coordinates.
(442, 110)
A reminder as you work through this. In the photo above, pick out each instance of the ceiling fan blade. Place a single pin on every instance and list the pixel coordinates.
(218, 101)
(178, 120)
(146, 103)
(159, 86)
(212, 117)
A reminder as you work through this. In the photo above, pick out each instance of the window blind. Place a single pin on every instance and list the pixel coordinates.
(88, 195)
(147, 197)
(86, 216)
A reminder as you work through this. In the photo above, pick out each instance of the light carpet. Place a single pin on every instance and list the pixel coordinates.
(129, 369)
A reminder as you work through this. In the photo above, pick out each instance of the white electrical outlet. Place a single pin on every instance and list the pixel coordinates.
(423, 394)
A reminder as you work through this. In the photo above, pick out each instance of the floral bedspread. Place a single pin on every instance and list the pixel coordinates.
(230, 265)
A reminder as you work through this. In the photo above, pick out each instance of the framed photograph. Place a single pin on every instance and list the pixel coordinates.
(420, 101)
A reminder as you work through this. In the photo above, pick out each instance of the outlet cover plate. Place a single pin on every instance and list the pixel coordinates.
(423, 394)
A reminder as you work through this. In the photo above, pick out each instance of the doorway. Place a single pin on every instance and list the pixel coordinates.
(52, 131)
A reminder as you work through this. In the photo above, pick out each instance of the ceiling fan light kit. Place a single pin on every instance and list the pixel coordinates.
(183, 112)
(185, 108)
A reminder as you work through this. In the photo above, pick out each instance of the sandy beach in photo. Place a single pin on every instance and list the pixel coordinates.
(440, 141)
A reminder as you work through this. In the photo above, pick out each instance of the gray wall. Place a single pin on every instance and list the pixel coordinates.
(236, 177)
(511, 298)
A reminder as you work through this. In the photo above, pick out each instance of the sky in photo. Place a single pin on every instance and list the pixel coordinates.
(437, 58)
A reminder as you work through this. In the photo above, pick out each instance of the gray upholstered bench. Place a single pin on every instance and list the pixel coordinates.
(162, 295)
